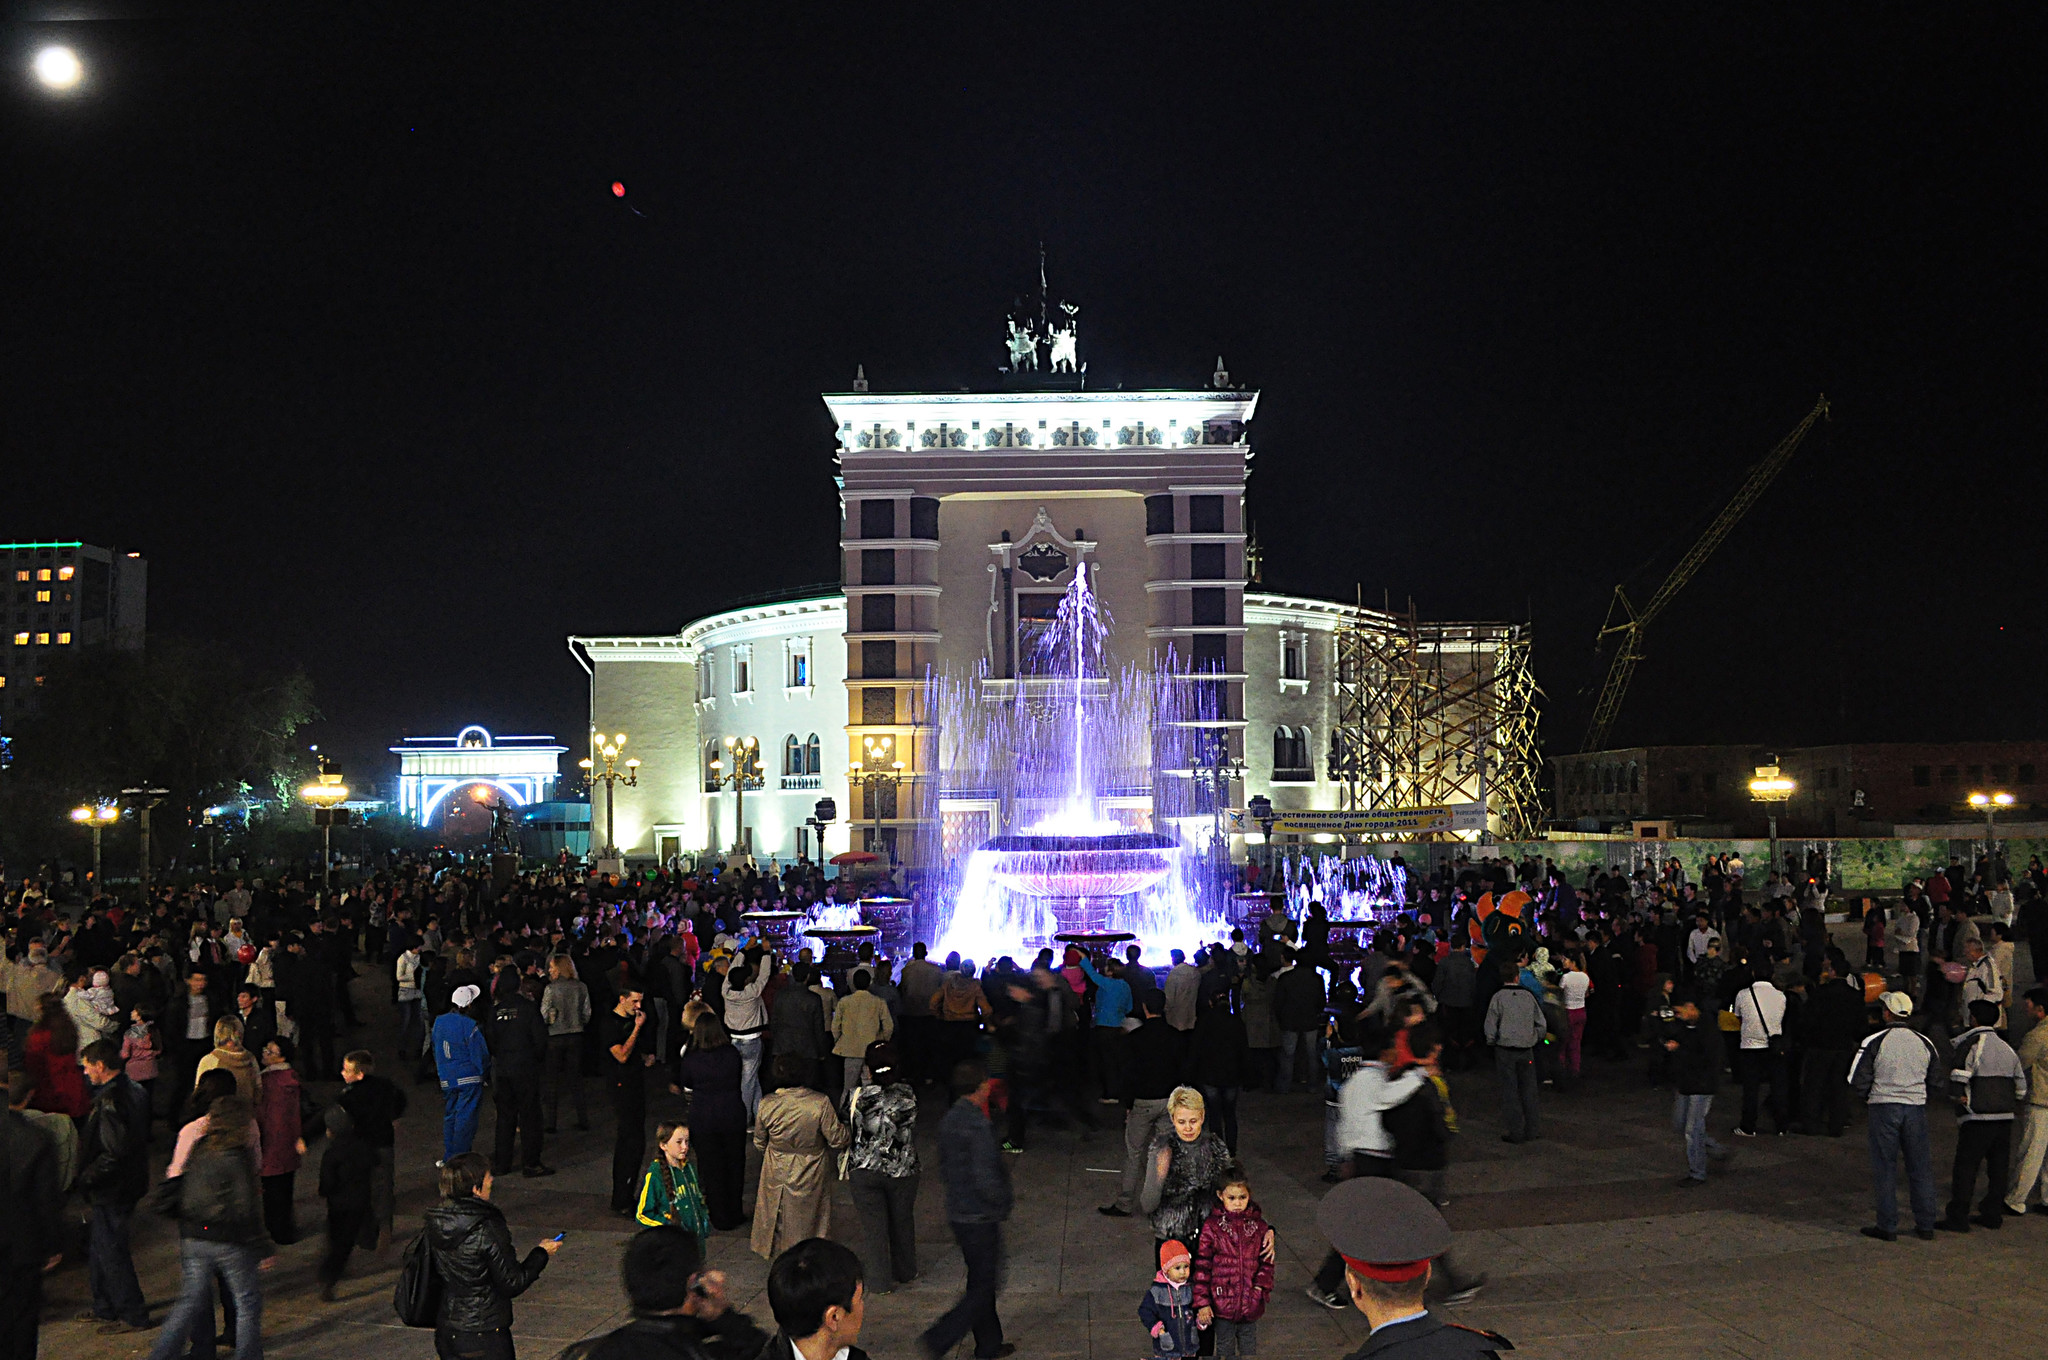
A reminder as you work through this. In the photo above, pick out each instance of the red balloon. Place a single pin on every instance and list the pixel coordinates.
(618, 189)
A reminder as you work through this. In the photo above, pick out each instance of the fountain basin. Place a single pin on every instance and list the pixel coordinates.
(1084, 866)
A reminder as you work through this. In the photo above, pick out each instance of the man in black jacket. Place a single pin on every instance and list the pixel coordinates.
(680, 1310)
(1154, 1055)
(518, 1036)
(1696, 1069)
(114, 1175)
(1298, 1011)
(374, 1104)
(978, 1200)
(1835, 1022)
(312, 1005)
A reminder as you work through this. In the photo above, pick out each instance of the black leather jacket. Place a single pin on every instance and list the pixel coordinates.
(473, 1255)
(518, 1037)
(731, 1336)
(115, 1151)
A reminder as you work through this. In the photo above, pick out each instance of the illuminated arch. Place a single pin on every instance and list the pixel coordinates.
(462, 741)
(515, 796)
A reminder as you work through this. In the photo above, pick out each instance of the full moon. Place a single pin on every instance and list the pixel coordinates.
(58, 68)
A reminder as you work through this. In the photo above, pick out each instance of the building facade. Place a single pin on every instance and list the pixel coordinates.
(65, 595)
(1859, 788)
(965, 517)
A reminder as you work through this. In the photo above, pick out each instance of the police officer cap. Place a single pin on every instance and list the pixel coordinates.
(1382, 1228)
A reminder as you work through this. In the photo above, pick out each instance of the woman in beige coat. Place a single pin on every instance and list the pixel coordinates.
(797, 1132)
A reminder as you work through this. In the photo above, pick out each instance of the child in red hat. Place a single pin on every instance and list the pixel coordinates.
(1168, 1308)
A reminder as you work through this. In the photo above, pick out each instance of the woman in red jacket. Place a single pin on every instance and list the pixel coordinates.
(51, 1061)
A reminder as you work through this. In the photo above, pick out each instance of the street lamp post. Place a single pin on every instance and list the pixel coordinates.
(150, 798)
(95, 816)
(1989, 804)
(1772, 788)
(1261, 809)
(823, 813)
(887, 773)
(741, 769)
(326, 793)
(609, 748)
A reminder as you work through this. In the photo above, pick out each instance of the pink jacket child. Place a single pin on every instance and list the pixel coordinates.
(139, 1052)
(1232, 1275)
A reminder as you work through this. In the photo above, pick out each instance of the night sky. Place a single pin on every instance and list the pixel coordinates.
(338, 322)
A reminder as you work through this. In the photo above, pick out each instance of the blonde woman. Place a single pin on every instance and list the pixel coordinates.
(1183, 1170)
(229, 1055)
(565, 1005)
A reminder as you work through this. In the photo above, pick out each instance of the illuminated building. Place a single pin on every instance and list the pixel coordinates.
(964, 516)
(61, 596)
(432, 769)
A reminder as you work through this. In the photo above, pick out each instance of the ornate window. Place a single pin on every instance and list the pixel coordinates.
(792, 755)
(711, 781)
(814, 755)
(743, 668)
(1294, 657)
(1290, 754)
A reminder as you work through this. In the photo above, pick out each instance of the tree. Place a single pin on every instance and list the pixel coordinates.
(179, 715)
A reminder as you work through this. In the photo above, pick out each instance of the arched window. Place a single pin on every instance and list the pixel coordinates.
(1635, 778)
(711, 754)
(792, 755)
(1607, 779)
(1290, 752)
(814, 756)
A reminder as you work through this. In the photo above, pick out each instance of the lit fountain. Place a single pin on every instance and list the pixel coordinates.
(1072, 735)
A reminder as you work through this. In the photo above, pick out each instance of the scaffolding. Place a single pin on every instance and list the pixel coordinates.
(1436, 713)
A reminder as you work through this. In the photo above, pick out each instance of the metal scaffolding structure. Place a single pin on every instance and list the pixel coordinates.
(1435, 713)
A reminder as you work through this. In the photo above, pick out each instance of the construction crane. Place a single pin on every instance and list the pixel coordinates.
(1634, 621)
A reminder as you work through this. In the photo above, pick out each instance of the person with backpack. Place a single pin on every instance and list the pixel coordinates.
(1896, 1070)
(1987, 1083)
(1760, 1058)
(214, 1193)
(471, 1253)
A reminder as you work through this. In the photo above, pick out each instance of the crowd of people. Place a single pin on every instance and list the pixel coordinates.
(226, 1008)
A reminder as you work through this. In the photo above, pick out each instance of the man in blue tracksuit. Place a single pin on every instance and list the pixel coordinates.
(463, 1060)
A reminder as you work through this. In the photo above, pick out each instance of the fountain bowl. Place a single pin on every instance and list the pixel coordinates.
(1049, 864)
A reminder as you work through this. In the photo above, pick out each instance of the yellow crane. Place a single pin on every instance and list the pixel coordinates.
(1633, 621)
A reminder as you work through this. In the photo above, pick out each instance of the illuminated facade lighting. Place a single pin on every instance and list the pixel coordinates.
(522, 769)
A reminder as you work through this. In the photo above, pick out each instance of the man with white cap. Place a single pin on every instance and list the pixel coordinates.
(1896, 1071)
(1388, 1234)
(463, 1060)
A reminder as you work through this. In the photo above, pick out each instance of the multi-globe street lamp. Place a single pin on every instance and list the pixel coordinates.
(326, 793)
(146, 801)
(878, 769)
(97, 816)
(740, 770)
(609, 749)
(1989, 804)
(1772, 788)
